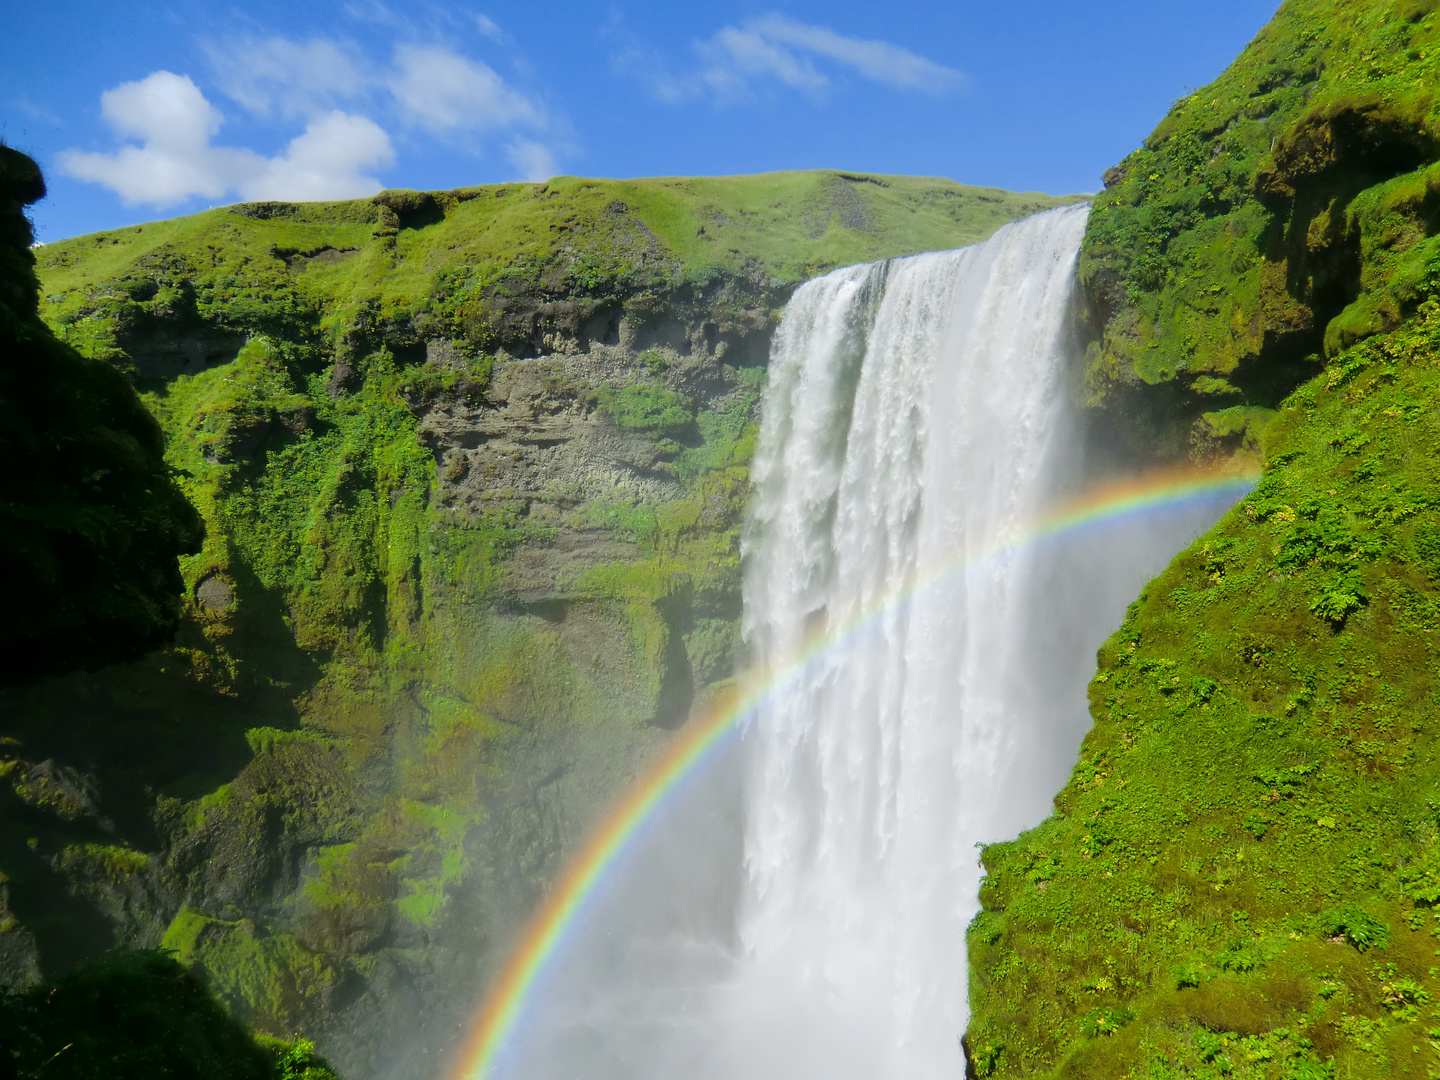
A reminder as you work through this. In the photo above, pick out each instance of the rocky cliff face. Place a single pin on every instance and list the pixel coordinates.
(472, 466)
(1240, 877)
(90, 520)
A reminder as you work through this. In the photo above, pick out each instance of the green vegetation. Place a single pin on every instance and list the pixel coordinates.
(1245, 851)
(90, 519)
(472, 467)
(459, 259)
(652, 409)
(139, 1016)
(1240, 877)
(1273, 219)
(258, 975)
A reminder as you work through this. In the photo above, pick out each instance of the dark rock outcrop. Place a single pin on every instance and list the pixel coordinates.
(91, 522)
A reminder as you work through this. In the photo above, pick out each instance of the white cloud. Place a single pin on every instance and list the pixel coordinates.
(738, 62)
(174, 123)
(737, 55)
(165, 109)
(442, 92)
(531, 160)
(375, 12)
(39, 112)
(297, 79)
(167, 128)
(328, 161)
(491, 29)
(878, 61)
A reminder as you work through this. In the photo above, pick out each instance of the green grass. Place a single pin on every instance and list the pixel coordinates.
(1240, 876)
(785, 225)
(1274, 218)
(648, 408)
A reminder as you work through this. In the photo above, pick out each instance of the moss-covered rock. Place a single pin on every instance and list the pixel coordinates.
(91, 521)
(1239, 876)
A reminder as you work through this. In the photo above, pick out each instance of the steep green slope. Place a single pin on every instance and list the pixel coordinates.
(472, 467)
(1279, 214)
(1240, 878)
(90, 520)
(91, 523)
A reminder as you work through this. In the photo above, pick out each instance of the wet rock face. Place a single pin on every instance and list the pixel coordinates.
(540, 444)
(62, 789)
(72, 880)
(214, 594)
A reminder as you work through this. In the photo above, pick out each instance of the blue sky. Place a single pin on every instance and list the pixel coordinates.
(138, 112)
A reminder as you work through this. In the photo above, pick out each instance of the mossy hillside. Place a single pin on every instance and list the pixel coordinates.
(448, 739)
(447, 257)
(1273, 219)
(1237, 880)
(472, 467)
(1240, 878)
(505, 730)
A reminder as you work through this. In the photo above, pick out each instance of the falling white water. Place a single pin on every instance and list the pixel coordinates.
(913, 419)
(803, 916)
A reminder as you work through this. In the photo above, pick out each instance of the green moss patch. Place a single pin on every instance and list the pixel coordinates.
(1277, 216)
(267, 979)
(1243, 862)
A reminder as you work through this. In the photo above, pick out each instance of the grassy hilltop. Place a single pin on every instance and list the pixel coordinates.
(594, 238)
(472, 467)
(1242, 875)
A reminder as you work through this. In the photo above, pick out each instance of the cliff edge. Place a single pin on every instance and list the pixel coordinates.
(472, 467)
(1241, 876)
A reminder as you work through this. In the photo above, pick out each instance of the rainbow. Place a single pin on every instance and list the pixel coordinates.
(697, 743)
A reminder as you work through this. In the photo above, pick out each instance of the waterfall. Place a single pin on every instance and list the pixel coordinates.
(804, 917)
(915, 414)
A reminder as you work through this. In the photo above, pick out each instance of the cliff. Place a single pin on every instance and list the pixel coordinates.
(91, 521)
(1273, 219)
(1241, 876)
(472, 467)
